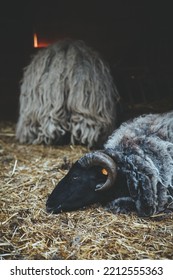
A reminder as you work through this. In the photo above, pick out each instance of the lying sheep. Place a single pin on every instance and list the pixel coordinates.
(67, 96)
(134, 172)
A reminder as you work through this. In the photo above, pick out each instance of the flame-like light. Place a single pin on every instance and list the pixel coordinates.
(35, 41)
(40, 43)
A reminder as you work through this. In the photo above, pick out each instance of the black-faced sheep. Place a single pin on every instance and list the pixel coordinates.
(134, 172)
(67, 95)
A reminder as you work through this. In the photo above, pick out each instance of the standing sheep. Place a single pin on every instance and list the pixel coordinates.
(67, 95)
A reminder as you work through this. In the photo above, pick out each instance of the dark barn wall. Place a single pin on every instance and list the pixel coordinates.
(135, 37)
(15, 49)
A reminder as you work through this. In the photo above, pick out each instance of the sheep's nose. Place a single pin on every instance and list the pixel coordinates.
(54, 210)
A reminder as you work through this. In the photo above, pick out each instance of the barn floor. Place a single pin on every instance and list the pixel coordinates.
(27, 175)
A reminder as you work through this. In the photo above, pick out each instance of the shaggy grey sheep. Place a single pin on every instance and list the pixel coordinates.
(67, 95)
(134, 172)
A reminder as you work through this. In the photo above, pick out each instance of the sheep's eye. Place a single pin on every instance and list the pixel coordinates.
(104, 171)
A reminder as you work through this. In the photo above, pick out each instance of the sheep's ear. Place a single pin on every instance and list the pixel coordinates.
(105, 173)
(109, 168)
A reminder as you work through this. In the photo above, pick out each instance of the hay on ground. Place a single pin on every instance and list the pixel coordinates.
(28, 174)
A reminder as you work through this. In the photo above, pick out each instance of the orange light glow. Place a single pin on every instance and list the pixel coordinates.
(35, 41)
(104, 171)
(39, 43)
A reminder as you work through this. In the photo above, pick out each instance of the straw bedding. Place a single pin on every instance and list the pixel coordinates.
(28, 173)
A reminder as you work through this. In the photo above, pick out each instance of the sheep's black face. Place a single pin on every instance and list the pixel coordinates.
(77, 189)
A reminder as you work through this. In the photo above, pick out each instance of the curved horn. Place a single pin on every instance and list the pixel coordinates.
(101, 159)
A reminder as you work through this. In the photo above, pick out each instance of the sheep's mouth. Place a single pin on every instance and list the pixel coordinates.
(54, 210)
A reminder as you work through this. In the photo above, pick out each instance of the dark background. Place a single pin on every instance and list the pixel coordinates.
(134, 37)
